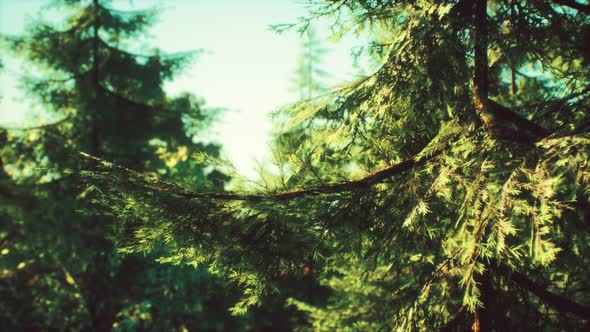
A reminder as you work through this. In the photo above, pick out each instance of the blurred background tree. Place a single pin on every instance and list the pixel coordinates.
(60, 268)
(309, 75)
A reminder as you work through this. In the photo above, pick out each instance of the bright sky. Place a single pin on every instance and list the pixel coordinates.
(246, 68)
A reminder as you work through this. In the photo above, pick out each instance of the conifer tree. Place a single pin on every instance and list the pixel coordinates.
(309, 77)
(60, 269)
(447, 191)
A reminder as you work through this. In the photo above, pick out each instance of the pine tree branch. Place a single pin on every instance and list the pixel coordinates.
(574, 5)
(148, 56)
(67, 79)
(158, 185)
(560, 303)
(53, 124)
(131, 102)
(167, 187)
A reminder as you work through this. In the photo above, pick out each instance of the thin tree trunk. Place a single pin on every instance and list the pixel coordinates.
(94, 134)
(480, 74)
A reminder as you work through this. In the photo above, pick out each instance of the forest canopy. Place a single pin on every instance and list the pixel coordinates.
(448, 190)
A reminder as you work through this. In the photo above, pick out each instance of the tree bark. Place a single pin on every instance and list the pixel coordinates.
(480, 71)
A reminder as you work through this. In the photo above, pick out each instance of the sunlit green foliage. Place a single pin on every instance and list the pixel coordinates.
(448, 190)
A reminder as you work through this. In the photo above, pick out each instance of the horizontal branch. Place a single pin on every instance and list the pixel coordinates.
(365, 182)
(167, 187)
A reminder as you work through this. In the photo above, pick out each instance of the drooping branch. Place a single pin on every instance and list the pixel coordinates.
(365, 182)
(156, 184)
(167, 187)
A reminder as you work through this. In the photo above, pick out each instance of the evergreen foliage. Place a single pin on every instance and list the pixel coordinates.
(449, 190)
(59, 266)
